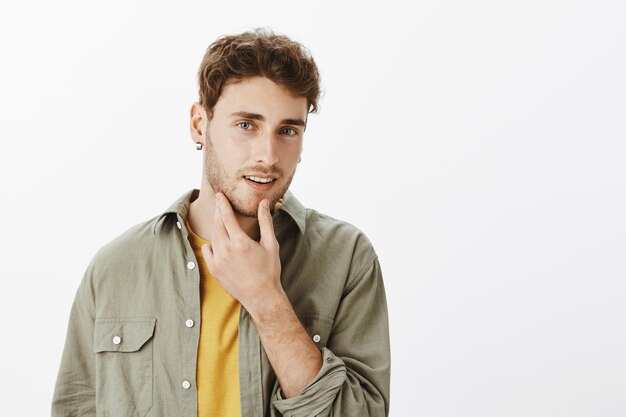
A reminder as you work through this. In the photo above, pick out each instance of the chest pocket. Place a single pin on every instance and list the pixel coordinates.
(124, 365)
(318, 327)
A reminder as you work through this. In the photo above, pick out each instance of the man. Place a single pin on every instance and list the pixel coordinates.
(236, 301)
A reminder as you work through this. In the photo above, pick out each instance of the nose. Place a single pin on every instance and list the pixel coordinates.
(266, 150)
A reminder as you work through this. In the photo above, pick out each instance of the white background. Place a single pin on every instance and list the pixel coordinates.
(479, 144)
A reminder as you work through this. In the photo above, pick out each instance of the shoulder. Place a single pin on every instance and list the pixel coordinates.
(339, 231)
(339, 240)
(127, 249)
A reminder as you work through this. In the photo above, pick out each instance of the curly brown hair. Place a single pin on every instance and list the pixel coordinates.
(259, 52)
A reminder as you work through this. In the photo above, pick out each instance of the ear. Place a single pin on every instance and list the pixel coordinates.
(198, 122)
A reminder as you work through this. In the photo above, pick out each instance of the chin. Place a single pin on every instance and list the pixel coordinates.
(245, 210)
(248, 206)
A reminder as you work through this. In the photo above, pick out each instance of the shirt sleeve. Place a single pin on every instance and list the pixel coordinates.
(74, 392)
(355, 375)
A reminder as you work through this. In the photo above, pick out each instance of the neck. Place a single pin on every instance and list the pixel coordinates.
(202, 210)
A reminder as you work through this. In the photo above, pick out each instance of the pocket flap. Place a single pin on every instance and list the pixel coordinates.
(125, 334)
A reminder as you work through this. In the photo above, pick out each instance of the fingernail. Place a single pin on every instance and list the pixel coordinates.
(266, 204)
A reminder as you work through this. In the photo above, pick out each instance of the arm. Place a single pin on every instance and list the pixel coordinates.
(355, 375)
(74, 393)
(351, 375)
(289, 348)
(250, 272)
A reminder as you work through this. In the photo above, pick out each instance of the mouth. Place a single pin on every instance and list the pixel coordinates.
(259, 183)
(259, 180)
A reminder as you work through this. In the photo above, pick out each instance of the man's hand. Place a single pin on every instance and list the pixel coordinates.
(246, 269)
(250, 272)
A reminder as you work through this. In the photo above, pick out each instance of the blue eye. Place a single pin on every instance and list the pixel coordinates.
(292, 129)
(245, 123)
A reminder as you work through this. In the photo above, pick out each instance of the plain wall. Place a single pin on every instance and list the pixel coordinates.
(480, 146)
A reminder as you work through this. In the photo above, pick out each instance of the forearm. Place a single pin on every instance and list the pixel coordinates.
(293, 355)
(354, 378)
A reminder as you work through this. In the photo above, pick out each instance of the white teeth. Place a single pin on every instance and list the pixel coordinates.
(260, 180)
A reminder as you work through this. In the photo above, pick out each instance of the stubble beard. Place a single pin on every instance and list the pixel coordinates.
(217, 177)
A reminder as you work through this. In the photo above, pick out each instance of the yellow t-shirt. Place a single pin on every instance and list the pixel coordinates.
(217, 374)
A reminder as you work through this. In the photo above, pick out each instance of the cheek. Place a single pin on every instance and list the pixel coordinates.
(226, 148)
(295, 155)
(292, 151)
(232, 160)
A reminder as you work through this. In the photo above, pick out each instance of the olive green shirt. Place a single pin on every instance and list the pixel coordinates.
(132, 339)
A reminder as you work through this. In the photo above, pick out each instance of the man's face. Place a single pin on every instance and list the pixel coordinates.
(254, 142)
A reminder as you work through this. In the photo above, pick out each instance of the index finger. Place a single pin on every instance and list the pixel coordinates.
(266, 225)
(228, 217)
(220, 235)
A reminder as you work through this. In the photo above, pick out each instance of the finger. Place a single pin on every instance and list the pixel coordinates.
(207, 252)
(209, 255)
(229, 220)
(220, 234)
(266, 225)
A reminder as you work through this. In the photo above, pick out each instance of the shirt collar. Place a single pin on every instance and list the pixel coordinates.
(180, 207)
(295, 210)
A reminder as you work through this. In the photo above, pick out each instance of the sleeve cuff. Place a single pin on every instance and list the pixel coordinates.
(319, 394)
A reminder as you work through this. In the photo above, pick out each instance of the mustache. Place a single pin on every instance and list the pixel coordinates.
(263, 169)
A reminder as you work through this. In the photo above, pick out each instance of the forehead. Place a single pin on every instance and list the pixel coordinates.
(261, 95)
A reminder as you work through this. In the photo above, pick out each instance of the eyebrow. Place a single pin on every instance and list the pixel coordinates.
(256, 116)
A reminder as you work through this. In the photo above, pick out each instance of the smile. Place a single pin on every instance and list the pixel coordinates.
(260, 180)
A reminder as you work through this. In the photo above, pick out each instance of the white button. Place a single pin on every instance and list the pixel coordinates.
(186, 384)
(317, 338)
(179, 225)
(189, 323)
(117, 340)
(191, 265)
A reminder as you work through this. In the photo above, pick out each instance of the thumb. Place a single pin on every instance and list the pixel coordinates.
(207, 251)
(266, 225)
